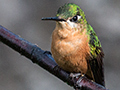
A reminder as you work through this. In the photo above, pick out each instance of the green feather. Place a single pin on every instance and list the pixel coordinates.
(94, 42)
(69, 10)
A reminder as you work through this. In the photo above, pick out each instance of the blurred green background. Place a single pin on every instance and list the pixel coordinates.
(23, 17)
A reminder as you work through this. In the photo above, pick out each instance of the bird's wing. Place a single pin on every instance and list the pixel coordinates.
(97, 70)
(96, 62)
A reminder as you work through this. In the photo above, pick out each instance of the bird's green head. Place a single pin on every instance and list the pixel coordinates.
(70, 13)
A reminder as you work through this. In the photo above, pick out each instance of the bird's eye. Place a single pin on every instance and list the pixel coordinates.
(75, 18)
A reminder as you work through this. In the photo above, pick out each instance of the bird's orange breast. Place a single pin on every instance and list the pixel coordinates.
(70, 49)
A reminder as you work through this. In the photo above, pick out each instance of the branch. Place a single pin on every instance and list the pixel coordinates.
(45, 60)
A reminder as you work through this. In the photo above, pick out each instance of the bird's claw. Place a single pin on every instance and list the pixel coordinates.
(76, 75)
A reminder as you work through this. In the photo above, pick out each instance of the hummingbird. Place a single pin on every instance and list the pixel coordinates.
(75, 45)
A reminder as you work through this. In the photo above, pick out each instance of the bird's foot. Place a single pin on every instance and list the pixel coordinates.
(79, 80)
(76, 75)
(77, 84)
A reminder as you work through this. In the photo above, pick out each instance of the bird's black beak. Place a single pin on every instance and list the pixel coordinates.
(53, 18)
